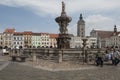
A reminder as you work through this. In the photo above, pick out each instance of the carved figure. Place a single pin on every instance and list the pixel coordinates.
(63, 7)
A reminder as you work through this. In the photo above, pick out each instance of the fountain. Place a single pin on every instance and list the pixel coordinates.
(63, 38)
(84, 49)
(63, 51)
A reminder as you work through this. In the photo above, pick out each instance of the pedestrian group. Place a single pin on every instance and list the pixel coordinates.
(111, 55)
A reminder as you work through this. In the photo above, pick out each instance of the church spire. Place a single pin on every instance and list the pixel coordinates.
(115, 29)
(81, 17)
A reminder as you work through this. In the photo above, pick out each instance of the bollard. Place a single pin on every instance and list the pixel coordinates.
(60, 57)
(34, 56)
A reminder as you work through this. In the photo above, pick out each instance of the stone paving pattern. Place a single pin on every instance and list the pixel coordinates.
(15, 71)
(54, 65)
(20, 71)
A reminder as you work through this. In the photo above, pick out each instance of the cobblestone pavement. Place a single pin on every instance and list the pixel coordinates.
(3, 64)
(50, 70)
(17, 71)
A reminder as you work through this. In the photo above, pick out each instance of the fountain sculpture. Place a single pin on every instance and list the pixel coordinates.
(63, 38)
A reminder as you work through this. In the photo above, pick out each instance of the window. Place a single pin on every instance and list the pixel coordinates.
(10, 43)
(14, 42)
(17, 38)
(82, 29)
(9, 38)
(14, 38)
(6, 38)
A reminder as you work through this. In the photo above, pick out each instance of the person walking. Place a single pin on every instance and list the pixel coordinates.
(99, 58)
(115, 57)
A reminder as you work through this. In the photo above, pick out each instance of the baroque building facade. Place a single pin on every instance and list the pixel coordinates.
(7, 37)
(18, 40)
(76, 42)
(107, 38)
(45, 40)
(53, 41)
(36, 40)
(12, 39)
(27, 38)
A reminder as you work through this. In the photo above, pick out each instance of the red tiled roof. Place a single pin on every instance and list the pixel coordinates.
(18, 33)
(27, 32)
(45, 33)
(53, 35)
(118, 33)
(9, 30)
(104, 34)
(36, 33)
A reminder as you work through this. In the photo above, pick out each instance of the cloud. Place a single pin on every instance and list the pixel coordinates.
(99, 22)
(53, 7)
(78, 5)
(98, 19)
(40, 7)
(73, 29)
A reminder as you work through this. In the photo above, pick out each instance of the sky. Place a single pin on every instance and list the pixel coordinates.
(39, 15)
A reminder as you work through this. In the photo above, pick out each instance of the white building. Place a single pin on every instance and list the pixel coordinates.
(45, 40)
(36, 40)
(7, 37)
(76, 42)
(53, 40)
(92, 42)
(18, 40)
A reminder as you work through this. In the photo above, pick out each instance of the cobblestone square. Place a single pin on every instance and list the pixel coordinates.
(25, 71)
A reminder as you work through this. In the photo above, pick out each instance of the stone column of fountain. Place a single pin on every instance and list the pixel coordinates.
(84, 49)
(63, 38)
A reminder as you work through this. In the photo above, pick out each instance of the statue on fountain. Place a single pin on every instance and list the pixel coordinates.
(63, 21)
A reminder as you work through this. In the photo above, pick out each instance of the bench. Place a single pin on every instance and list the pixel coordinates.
(21, 58)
